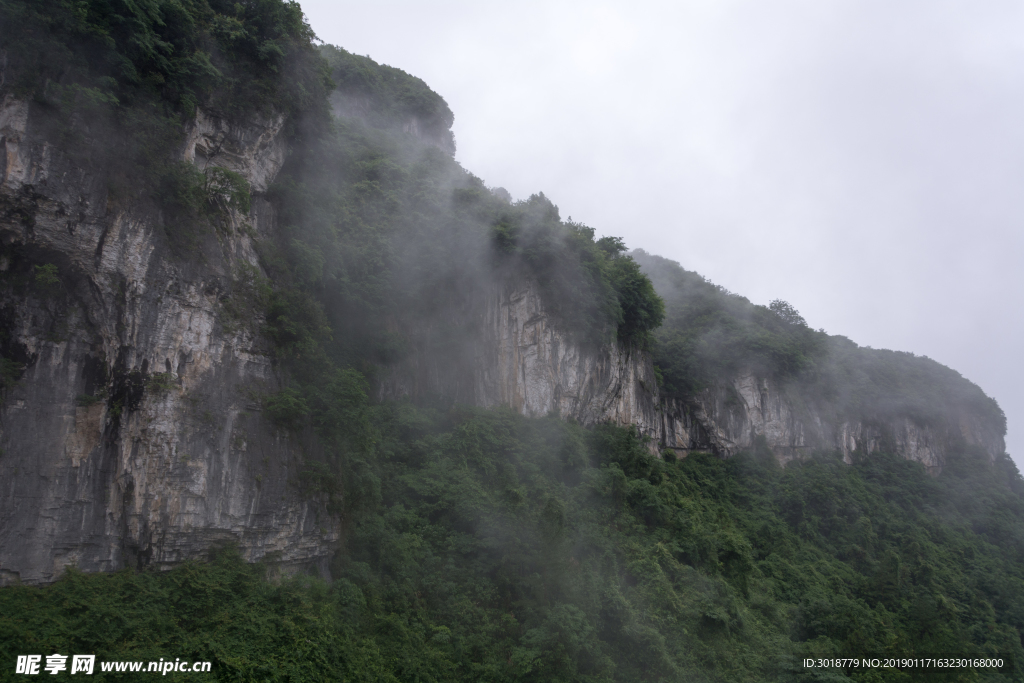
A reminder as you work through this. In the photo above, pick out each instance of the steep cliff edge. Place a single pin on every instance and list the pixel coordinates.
(738, 376)
(751, 412)
(127, 424)
(520, 357)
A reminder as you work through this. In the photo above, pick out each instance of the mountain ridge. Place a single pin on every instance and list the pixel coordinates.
(164, 371)
(285, 389)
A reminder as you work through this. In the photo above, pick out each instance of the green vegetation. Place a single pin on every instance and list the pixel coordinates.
(385, 236)
(194, 200)
(711, 335)
(10, 373)
(481, 545)
(115, 82)
(160, 382)
(87, 400)
(46, 276)
(386, 97)
(236, 57)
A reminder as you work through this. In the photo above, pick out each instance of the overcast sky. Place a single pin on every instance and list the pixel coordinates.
(862, 160)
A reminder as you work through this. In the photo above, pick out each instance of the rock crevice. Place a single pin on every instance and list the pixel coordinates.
(129, 437)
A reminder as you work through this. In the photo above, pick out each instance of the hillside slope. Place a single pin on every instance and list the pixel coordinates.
(205, 278)
(733, 373)
(287, 389)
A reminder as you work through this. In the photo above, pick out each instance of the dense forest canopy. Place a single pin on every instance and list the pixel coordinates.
(481, 545)
(487, 546)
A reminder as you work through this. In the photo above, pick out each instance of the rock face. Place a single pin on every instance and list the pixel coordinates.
(127, 430)
(256, 149)
(735, 416)
(518, 358)
(515, 356)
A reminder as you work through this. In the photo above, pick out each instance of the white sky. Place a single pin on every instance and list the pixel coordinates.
(863, 160)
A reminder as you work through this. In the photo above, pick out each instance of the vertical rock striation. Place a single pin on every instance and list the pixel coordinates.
(518, 357)
(129, 437)
(750, 409)
(515, 355)
(530, 365)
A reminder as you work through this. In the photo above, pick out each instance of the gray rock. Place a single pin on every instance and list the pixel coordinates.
(140, 474)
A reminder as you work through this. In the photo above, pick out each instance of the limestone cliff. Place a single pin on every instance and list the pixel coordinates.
(519, 357)
(127, 428)
(737, 414)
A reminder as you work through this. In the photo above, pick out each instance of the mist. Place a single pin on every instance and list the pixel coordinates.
(465, 407)
(859, 160)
